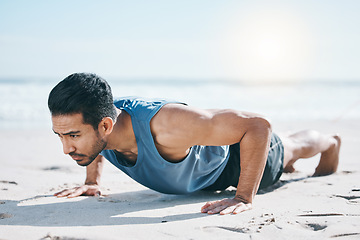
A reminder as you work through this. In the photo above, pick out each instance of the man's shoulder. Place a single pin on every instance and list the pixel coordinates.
(140, 100)
(140, 106)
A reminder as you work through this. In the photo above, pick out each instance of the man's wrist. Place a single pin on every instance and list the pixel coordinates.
(91, 183)
(243, 199)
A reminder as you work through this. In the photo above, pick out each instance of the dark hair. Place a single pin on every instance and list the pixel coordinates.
(84, 93)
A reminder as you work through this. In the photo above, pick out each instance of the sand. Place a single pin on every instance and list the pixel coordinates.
(297, 207)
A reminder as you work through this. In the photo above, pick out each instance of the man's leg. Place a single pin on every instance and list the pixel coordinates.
(306, 144)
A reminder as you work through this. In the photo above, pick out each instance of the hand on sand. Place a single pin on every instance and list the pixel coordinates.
(226, 206)
(84, 190)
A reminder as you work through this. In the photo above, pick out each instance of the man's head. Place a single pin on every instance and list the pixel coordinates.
(82, 115)
(83, 93)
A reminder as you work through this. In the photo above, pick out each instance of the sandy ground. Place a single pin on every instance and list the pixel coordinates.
(298, 207)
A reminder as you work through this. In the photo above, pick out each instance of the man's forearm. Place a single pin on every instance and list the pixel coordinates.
(254, 148)
(94, 171)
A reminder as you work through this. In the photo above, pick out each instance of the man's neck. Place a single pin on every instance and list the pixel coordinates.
(122, 137)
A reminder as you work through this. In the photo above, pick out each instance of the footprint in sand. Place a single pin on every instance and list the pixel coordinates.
(232, 229)
(50, 237)
(345, 235)
(5, 215)
(347, 197)
(314, 226)
(57, 168)
(353, 196)
(255, 225)
(9, 182)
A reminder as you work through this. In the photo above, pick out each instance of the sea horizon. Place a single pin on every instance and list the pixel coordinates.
(24, 100)
(178, 80)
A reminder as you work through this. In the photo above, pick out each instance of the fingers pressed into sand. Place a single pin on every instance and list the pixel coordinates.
(209, 206)
(203, 208)
(217, 209)
(63, 193)
(77, 192)
(242, 208)
(228, 210)
(74, 192)
(238, 208)
(225, 206)
(85, 190)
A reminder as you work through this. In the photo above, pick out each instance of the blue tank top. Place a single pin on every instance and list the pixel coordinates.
(201, 167)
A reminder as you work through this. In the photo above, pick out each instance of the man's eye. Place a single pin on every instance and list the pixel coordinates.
(74, 136)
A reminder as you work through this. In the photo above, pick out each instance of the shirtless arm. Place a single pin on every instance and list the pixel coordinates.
(92, 182)
(179, 127)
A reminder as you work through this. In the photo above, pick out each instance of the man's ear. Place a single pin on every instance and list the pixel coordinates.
(106, 126)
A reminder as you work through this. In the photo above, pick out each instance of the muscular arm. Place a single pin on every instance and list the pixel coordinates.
(92, 182)
(94, 171)
(179, 127)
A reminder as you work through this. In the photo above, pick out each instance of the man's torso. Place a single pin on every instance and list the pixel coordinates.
(165, 168)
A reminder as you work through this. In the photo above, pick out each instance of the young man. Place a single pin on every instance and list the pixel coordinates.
(174, 148)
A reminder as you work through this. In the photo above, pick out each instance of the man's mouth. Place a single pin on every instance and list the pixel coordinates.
(77, 157)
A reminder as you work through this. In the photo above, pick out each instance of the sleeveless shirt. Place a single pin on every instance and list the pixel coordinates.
(200, 168)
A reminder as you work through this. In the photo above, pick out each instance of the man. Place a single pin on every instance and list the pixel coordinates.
(174, 148)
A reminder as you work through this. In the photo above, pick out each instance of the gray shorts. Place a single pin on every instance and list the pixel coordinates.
(273, 169)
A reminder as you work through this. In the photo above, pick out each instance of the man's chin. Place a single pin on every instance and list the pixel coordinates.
(84, 162)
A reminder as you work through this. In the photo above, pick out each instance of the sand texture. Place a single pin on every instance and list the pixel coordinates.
(297, 207)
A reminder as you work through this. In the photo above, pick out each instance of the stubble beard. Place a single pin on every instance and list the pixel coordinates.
(98, 147)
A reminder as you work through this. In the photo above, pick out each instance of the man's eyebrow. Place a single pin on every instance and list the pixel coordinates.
(68, 133)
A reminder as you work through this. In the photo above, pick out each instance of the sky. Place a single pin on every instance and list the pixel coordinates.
(200, 39)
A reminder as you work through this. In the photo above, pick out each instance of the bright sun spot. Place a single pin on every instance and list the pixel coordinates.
(267, 46)
(269, 49)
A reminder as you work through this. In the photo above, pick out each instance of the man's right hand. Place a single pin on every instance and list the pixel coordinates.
(85, 190)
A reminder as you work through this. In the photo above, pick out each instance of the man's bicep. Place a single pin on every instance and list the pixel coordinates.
(226, 127)
(191, 126)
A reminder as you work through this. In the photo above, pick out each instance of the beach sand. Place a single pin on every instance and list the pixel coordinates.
(33, 167)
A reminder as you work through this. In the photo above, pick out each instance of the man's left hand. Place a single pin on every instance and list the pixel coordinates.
(226, 206)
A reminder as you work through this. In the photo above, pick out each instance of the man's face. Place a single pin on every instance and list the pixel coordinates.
(79, 140)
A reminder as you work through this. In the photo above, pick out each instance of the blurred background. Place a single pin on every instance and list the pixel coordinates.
(290, 60)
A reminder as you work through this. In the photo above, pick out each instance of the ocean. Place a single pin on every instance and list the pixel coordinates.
(24, 102)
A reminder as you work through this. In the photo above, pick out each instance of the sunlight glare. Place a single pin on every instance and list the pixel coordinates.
(267, 47)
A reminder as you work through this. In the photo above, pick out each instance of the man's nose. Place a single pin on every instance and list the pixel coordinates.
(68, 147)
